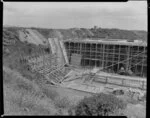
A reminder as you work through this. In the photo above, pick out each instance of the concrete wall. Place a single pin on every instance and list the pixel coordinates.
(133, 83)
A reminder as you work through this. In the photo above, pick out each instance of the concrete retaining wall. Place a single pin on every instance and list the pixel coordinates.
(122, 82)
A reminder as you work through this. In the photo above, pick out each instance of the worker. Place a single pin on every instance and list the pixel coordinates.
(122, 71)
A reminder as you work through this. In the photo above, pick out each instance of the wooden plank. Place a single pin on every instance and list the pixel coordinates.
(76, 59)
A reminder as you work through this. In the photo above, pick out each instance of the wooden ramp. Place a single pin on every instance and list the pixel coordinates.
(76, 60)
(59, 53)
(52, 45)
(64, 51)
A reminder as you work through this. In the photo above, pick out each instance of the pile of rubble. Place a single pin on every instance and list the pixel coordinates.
(133, 94)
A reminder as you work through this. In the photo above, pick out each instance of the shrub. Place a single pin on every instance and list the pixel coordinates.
(99, 105)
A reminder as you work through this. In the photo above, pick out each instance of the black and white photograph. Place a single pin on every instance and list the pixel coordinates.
(75, 58)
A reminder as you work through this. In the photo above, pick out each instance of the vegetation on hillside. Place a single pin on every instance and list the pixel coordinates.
(89, 33)
(100, 105)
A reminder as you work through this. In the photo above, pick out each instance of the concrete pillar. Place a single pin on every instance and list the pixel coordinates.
(103, 55)
(118, 58)
(128, 56)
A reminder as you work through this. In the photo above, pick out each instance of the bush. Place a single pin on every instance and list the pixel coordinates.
(99, 105)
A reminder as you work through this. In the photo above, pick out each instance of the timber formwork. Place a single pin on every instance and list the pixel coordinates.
(110, 55)
(47, 66)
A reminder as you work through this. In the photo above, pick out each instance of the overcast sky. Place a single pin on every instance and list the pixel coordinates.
(130, 15)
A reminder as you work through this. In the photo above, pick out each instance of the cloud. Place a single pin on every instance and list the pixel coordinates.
(130, 15)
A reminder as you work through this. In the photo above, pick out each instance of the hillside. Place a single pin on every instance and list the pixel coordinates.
(93, 33)
(81, 33)
(29, 93)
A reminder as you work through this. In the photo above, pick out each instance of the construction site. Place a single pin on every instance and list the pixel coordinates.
(90, 65)
(109, 55)
(74, 59)
(94, 63)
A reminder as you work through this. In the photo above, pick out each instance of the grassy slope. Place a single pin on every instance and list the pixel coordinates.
(25, 93)
(84, 33)
(23, 96)
(26, 97)
(28, 94)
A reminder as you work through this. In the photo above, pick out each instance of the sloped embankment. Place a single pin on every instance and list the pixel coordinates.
(81, 33)
(32, 36)
(24, 97)
(40, 36)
